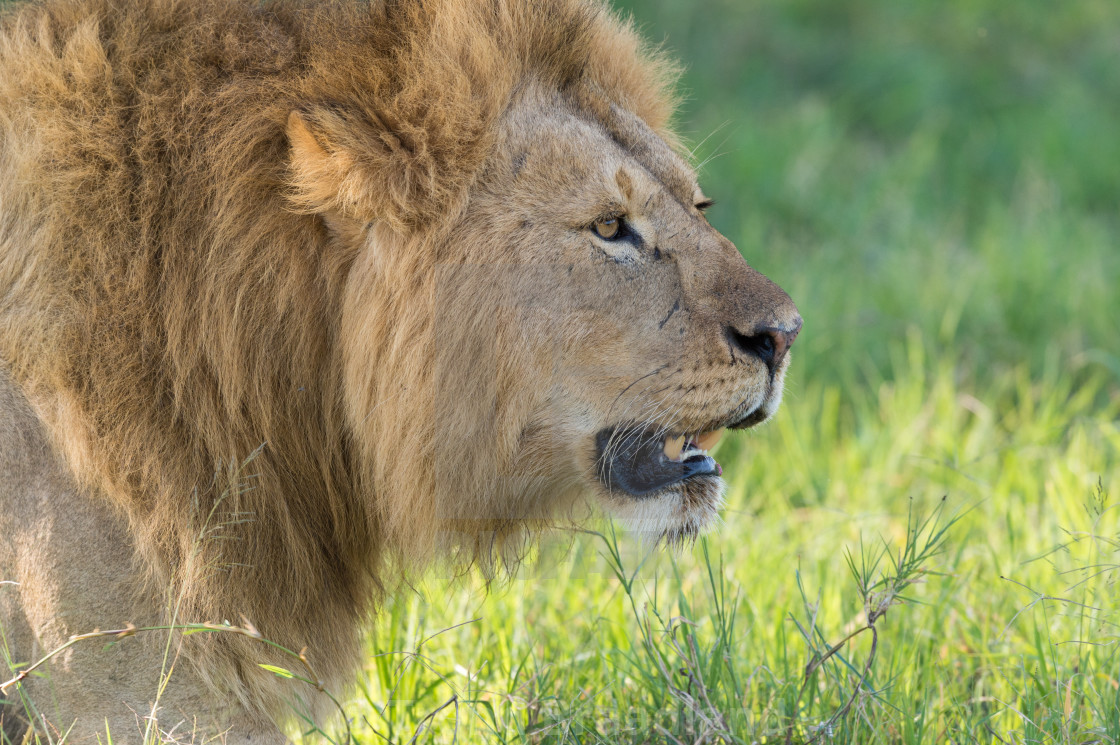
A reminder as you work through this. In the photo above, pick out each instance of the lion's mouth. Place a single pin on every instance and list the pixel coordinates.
(641, 462)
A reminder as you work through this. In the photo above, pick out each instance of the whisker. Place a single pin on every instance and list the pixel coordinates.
(698, 145)
(636, 381)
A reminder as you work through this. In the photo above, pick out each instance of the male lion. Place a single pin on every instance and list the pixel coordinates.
(297, 297)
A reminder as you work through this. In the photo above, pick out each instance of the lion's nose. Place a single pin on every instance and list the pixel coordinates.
(768, 344)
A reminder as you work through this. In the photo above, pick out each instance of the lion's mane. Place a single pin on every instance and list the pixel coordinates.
(174, 307)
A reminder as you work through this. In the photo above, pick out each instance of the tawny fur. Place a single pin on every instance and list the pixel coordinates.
(240, 251)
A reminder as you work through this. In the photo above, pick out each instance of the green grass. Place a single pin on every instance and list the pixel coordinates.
(936, 185)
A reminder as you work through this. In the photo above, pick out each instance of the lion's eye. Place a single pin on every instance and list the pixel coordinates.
(607, 228)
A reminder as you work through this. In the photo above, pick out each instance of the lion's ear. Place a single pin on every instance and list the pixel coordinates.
(351, 165)
(316, 175)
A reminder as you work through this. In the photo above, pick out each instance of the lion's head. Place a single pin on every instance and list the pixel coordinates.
(566, 323)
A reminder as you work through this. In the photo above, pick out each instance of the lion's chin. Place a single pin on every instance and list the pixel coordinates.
(674, 515)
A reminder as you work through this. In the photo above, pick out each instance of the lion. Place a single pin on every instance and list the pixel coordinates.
(298, 299)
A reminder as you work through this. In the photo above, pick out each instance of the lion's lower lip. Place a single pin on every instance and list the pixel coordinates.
(632, 460)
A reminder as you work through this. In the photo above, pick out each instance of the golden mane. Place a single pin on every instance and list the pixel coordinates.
(174, 307)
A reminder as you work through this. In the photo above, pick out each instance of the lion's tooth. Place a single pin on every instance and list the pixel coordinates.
(708, 440)
(673, 447)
